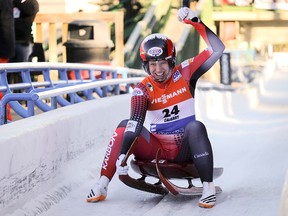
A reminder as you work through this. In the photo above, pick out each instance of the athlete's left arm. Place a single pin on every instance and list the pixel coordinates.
(139, 103)
(207, 58)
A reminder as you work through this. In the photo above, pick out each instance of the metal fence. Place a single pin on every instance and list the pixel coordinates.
(76, 83)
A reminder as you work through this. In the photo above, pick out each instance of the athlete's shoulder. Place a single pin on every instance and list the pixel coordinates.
(186, 68)
(146, 80)
(141, 88)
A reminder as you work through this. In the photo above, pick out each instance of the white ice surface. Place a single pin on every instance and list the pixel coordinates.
(251, 146)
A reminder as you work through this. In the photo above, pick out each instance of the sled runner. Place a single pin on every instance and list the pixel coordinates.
(165, 171)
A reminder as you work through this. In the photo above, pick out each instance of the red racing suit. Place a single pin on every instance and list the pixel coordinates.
(166, 108)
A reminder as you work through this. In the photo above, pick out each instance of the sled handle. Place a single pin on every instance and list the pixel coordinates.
(124, 162)
(162, 178)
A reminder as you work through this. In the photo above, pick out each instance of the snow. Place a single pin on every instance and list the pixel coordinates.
(249, 140)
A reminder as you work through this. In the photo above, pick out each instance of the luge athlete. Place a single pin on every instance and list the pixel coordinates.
(165, 98)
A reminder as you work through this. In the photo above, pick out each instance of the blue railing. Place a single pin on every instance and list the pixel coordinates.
(68, 88)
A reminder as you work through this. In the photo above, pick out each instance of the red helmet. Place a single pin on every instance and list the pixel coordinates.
(157, 47)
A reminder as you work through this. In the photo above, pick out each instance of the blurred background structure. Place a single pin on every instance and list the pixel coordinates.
(252, 30)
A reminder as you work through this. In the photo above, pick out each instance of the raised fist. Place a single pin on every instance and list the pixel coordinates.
(187, 13)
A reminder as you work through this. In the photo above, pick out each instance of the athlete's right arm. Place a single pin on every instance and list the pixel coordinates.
(139, 104)
(215, 47)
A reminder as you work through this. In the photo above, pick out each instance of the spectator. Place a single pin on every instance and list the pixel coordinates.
(7, 40)
(24, 15)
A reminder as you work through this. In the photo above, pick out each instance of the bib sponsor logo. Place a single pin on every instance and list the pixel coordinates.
(176, 76)
(131, 126)
(153, 129)
(187, 62)
(155, 51)
(137, 92)
(165, 97)
(150, 87)
(201, 155)
(171, 118)
(108, 151)
(184, 63)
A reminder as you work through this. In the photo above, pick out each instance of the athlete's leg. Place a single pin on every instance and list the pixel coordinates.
(196, 147)
(196, 139)
(144, 148)
(108, 168)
